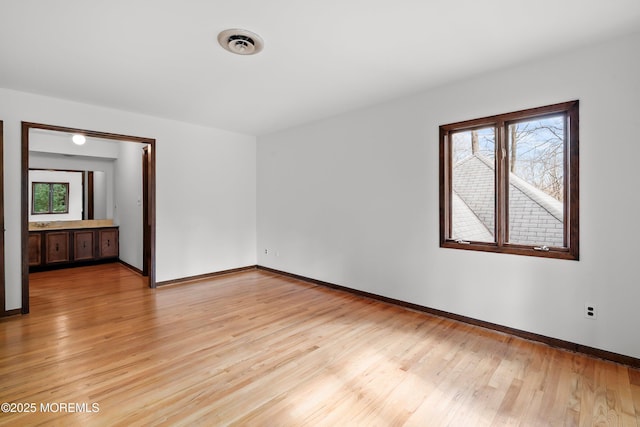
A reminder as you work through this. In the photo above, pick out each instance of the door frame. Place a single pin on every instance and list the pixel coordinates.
(149, 201)
(146, 224)
(2, 269)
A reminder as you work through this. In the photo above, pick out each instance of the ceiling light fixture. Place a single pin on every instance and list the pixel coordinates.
(240, 42)
(78, 139)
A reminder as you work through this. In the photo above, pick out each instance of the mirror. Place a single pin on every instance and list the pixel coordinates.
(86, 193)
(89, 169)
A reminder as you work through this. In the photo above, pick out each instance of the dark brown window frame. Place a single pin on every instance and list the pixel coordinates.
(500, 123)
(50, 212)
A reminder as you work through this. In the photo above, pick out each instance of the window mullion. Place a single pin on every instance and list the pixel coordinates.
(50, 210)
(501, 185)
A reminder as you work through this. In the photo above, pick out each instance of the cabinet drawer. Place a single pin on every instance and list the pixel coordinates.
(57, 247)
(83, 245)
(108, 243)
(35, 249)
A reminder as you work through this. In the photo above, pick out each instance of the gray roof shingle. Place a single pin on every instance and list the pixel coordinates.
(535, 218)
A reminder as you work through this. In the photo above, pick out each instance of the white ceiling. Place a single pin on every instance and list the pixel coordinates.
(321, 57)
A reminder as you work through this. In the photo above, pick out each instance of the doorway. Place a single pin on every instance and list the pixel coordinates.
(148, 199)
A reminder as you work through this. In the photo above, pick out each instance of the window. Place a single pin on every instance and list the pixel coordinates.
(509, 183)
(50, 198)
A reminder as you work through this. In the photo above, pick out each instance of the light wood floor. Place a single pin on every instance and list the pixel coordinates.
(255, 348)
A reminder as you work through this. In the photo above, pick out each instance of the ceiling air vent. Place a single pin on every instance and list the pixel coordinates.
(241, 42)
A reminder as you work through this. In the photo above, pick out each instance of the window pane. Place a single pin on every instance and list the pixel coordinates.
(40, 198)
(473, 177)
(536, 182)
(59, 198)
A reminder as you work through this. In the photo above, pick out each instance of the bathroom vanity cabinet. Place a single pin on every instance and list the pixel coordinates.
(70, 247)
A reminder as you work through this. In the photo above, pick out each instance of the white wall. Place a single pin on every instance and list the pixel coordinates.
(128, 212)
(205, 192)
(45, 141)
(74, 179)
(353, 200)
(101, 207)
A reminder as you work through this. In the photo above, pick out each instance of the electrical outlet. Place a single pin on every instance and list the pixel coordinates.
(590, 311)
(266, 251)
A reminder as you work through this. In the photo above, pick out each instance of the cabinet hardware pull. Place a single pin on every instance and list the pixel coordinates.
(56, 247)
(108, 242)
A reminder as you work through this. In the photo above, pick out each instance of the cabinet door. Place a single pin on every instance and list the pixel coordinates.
(83, 245)
(35, 249)
(57, 247)
(108, 243)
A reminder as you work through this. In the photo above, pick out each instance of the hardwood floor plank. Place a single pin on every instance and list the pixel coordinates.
(257, 348)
